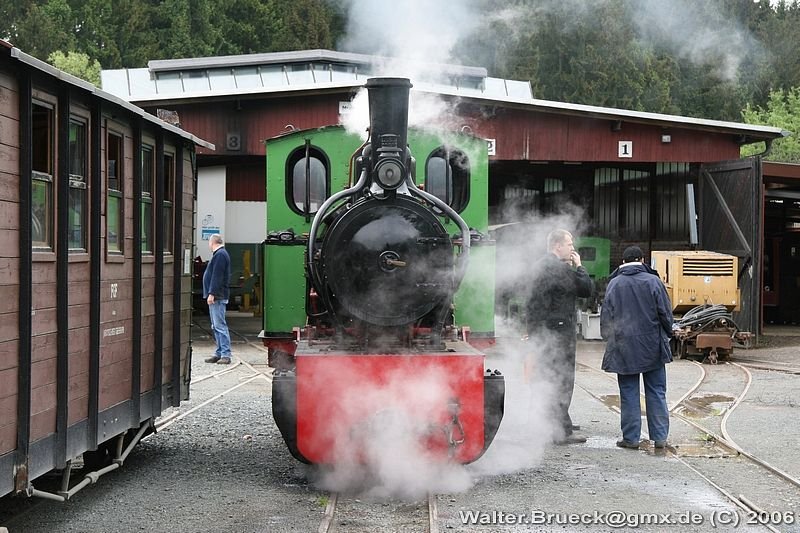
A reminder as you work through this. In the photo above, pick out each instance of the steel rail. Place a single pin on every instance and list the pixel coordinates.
(216, 374)
(692, 390)
(433, 513)
(327, 524)
(739, 502)
(174, 417)
(792, 371)
(723, 424)
(749, 362)
(722, 439)
(183, 415)
(718, 438)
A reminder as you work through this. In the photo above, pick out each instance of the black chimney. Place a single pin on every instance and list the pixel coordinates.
(388, 110)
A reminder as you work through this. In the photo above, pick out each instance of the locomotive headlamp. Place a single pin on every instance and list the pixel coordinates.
(389, 173)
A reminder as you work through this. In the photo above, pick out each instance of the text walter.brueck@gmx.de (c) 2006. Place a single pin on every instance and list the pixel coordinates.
(717, 518)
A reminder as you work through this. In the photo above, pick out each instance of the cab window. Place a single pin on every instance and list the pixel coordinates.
(447, 173)
(307, 179)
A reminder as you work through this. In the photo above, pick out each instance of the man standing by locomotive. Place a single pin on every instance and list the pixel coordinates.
(216, 293)
(559, 280)
(636, 321)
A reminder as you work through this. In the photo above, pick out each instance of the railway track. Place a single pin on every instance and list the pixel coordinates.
(772, 366)
(256, 373)
(349, 514)
(51, 486)
(708, 411)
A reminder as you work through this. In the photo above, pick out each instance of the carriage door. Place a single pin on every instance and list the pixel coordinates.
(730, 217)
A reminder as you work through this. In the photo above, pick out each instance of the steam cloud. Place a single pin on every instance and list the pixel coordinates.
(416, 40)
(696, 31)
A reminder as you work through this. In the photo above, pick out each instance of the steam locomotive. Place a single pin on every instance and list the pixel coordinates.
(372, 293)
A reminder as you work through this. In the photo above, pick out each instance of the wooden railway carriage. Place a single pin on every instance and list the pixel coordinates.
(453, 166)
(96, 211)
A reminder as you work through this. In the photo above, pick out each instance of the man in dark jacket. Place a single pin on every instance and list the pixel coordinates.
(636, 322)
(216, 293)
(559, 280)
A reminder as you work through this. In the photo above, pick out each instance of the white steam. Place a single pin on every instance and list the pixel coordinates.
(385, 457)
(529, 424)
(390, 439)
(696, 31)
(418, 31)
(425, 110)
(414, 40)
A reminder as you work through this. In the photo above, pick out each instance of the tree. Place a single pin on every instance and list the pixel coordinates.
(245, 26)
(45, 28)
(77, 64)
(184, 28)
(301, 24)
(782, 111)
(780, 35)
(118, 37)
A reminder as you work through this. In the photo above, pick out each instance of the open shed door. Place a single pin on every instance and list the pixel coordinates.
(730, 217)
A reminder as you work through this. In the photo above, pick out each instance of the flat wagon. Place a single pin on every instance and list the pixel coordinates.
(96, 237)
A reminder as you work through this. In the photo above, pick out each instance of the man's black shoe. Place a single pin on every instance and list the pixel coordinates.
(224, 361)
(213, 359)
(571, 439)
(627, 444)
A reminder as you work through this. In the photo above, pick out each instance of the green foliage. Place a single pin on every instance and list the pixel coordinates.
(783, 111)
(45, 27)
(718, 58)
(302, 24)
(129, 33)
(77, 64)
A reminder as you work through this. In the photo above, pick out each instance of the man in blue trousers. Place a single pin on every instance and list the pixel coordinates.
(216, 293)
(636, 321)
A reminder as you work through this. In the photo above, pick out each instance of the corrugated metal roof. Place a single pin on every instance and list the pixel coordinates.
(316, 70)
(21, 56)
(634, 116)
(305, 56)
(205, 77)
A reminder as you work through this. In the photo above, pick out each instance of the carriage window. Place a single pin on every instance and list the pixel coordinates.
(77, 185)
(146, 201)
(114, 179)
(42, 176)
(307, 179)
(447, 177)
(169, 199)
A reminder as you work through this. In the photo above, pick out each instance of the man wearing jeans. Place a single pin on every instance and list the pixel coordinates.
(215, 291)
(636, 321)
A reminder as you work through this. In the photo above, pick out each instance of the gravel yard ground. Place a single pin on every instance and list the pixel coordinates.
(224, 466)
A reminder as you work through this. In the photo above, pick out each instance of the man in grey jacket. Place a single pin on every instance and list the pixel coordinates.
(636, 321)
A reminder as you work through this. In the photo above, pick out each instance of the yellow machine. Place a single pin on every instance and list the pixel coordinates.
(697, 278)
(703, 289)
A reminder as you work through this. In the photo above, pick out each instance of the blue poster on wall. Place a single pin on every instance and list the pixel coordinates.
(208, 231)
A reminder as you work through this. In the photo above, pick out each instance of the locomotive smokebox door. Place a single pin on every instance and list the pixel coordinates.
(388, 263)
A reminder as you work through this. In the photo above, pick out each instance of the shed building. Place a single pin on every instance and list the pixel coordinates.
(660, 181)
